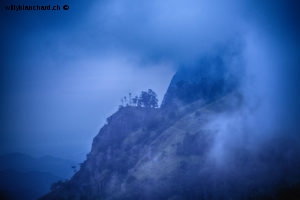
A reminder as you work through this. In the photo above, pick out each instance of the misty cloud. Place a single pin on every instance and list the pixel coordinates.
(84, 60)
(175, 30)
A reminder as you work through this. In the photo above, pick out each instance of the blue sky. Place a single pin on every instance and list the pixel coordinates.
(64, 72)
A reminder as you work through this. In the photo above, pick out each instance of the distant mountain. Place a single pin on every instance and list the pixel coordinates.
(16, 185)
(25, 163)
(26, 177)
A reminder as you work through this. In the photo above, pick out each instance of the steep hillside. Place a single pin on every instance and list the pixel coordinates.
(140, 153)
(144, 153)
(186, 149)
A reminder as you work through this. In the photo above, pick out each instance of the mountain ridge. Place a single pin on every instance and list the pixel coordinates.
(138, 144)
(179, 151)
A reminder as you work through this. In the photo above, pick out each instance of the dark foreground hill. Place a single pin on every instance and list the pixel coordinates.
(26, 177)
(16, 185)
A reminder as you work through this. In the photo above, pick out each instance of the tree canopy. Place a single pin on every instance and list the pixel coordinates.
(147, 99)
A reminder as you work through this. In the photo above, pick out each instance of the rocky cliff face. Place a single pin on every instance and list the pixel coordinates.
(142, 153)
(145, 154)
(207, 80)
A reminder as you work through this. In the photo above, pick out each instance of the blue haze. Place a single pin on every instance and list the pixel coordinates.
(64, 72)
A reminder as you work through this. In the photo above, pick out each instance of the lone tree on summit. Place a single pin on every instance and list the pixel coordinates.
(148, 99)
